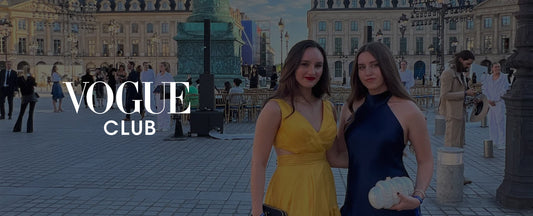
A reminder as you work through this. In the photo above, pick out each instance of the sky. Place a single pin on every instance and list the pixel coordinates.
(293, 12)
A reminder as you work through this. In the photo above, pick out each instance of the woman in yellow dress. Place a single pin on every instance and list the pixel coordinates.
(302, 128)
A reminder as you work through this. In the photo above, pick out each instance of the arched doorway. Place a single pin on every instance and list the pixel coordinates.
(21, 65)
(419, 70)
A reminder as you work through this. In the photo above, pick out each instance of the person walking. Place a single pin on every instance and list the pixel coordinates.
(86, 81)
(162, 96)
(57, 91)
(8, 82)
(26, 84)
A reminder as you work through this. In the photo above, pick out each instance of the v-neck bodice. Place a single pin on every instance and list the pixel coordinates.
(297, 135)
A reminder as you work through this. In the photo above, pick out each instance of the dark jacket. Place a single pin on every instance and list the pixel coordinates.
(86, 78)
(11, 80)
(26, 85)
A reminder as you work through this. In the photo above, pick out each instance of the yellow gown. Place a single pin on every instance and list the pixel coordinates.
(303, 182)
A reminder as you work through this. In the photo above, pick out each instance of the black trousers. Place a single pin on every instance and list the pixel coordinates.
(85, 98)
(29, 123)
(5, 92)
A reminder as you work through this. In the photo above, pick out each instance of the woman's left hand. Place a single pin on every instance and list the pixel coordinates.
(406, 203)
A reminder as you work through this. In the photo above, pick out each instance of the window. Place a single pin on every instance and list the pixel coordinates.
(506, 20)
(57, 27)
(106, 7)
(370, 23)
(22, 46)
(403, 46)
(338, 3)
(150, 5)
(470, 24)
(164, 28)
(135, 48)
(57, 47)
(165, 6)
(322, 42)
(150, 48)
(505, 44)
(22, 24)
(134, 28)
(165, 47)
(453, 47)
(487, 22)
(322, 4)
(435, 26)
(39, 26)
(386, 25)
(149, 28)
(387, 3)
(487, 44)
(105, 49)
(180, 5)
(435, 42)
(354, 4)
(419, 46)
(4, 45)
(354, 45)
(354, 26)
(40, 47)
(120, 6)
(338, 69)
(322, 26)
(92, 47)
(470, 44)
(386, 41)
(419, 27)
(371, 3)
(338, 26)
(453, 25)
(338, 46)
(75, 28)
(134, 6)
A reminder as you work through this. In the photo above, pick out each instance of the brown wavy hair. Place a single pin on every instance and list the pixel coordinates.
(389, 72)
(288, 84)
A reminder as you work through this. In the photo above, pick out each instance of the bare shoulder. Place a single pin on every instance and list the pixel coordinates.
(404, 107)
(271, 107)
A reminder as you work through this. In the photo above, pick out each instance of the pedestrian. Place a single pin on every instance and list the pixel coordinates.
(57, 91)
(86, 81)
(301, 127)
(133, 94)
(8, 80)
(406, 76)
(494, 88)
(453, 91)
(377, 123)
(274, 80)
(99, 88)
(162, 96)
(148, 76)
(254, 78)
(26, 84)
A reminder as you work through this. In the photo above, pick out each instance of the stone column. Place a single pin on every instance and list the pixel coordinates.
(516, 190)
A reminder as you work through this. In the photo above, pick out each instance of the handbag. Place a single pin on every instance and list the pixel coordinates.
(272, 211)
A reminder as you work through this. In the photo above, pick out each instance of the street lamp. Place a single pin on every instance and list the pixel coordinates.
(154, 40)
(113, 29)
(431, 49)
(281, 27)
(379, 35)
(287, 41)
(5, 31)
(403, 26)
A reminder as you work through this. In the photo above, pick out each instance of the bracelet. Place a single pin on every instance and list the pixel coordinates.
(423, 195)
(418, 198)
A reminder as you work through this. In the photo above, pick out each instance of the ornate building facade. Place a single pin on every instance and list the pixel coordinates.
(341, 26)
(114, 33)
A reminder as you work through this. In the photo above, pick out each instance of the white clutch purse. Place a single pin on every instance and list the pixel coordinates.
(383, 195)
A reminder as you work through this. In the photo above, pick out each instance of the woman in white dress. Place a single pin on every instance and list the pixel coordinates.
(163, 118)
(494, 87)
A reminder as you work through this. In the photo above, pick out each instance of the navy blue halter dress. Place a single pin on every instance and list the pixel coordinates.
(375, 145)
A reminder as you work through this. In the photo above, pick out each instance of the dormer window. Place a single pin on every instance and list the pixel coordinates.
(106, 6)
(120, 6)
(165, 5)
(134, 6)
(150, 6)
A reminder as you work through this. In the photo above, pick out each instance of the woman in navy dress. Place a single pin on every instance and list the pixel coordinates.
(376, 124)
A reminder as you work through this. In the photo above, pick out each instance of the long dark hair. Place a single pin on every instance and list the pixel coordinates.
(287, 83)
(389, 72)
(465, 55)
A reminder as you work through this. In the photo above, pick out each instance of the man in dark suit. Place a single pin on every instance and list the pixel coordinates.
(8, 84)
(86, 81)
